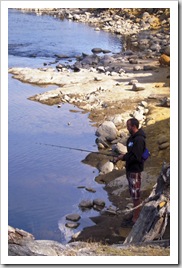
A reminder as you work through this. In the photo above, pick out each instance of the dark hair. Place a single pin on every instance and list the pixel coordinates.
(134, 122)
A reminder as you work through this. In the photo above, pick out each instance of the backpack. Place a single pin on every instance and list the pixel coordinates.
(145, 155)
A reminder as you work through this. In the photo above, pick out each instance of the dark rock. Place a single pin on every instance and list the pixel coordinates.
(105, 51)
(133, 61)
(73, 217)
(86, 204)
(90, 189)
(99, 202)
(96, 50)
(61, 56)
(149, 68)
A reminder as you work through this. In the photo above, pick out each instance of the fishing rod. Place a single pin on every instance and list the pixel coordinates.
(76, 149)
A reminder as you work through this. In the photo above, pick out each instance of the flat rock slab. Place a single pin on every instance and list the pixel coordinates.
(73, 217)
(86, 204)
(72, 225)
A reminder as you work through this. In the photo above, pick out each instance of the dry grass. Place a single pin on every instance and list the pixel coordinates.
(98, 249)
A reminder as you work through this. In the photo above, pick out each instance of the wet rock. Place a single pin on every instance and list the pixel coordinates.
(61, 56)
(86, 204)
(99, 202)
(90, 189)
(111, 210)
(105, 51)
(97, 50)
(72, 225)
(73, 217)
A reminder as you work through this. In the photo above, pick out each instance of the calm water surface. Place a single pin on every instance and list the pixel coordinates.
(43, 181)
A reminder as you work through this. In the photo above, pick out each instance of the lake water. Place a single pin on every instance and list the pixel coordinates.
(43, 181)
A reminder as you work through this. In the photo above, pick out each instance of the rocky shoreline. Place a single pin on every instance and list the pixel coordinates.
(112, 88)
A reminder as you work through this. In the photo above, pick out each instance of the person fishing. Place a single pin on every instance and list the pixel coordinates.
(134, 164)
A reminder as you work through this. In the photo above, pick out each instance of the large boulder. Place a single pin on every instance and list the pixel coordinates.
(119, 148)
(107, 130)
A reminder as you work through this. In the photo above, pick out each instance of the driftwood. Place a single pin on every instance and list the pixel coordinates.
(155, 212)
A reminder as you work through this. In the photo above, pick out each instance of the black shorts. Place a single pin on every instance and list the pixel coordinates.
(134, 181)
